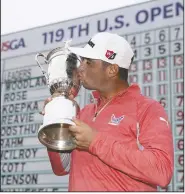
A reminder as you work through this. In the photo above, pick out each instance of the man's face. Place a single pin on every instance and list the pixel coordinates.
(92, 74)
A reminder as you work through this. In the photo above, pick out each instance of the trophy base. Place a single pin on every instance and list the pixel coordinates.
(57, 137)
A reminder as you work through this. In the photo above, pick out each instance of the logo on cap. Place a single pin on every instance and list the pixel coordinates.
(90, 43)
(110, 54)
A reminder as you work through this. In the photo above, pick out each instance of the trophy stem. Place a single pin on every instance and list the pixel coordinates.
(57, 94)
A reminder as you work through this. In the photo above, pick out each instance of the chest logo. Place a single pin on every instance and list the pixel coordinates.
(115, 120)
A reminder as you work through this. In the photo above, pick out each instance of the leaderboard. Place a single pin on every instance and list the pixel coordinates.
(158, 69)
(155, 32)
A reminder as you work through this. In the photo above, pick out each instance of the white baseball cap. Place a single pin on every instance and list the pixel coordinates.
(108, 47)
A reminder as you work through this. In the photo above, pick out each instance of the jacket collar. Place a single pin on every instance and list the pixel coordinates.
(132, 90)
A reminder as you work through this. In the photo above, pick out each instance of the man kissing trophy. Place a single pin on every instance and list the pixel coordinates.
(62, 81)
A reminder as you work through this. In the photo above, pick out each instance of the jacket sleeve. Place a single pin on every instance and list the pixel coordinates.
(60, 162)
(153, 164)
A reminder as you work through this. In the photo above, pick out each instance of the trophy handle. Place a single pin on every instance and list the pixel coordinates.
(43, 71)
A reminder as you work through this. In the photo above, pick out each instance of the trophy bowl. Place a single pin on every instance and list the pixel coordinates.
(62, 81)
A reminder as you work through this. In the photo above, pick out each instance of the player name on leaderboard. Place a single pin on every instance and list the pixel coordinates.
(155, 31)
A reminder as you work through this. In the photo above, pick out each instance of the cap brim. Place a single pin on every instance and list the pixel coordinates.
(84, 52)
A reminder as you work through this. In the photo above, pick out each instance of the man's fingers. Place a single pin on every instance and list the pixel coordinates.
(77, 141)
(71, 97)
(45, 102)
(73, 129)
(77, 121)
(79, 144)
(42, 112)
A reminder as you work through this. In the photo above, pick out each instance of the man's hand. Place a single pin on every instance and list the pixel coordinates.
(45, 102)
(83, 134)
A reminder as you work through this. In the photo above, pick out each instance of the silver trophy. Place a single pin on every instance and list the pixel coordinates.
(62, 82)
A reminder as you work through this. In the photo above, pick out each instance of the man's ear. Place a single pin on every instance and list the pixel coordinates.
(113, 70)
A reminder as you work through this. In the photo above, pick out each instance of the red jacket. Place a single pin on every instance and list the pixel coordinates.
(133, 150)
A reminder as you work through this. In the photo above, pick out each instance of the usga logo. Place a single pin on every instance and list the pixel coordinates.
(12, 45)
